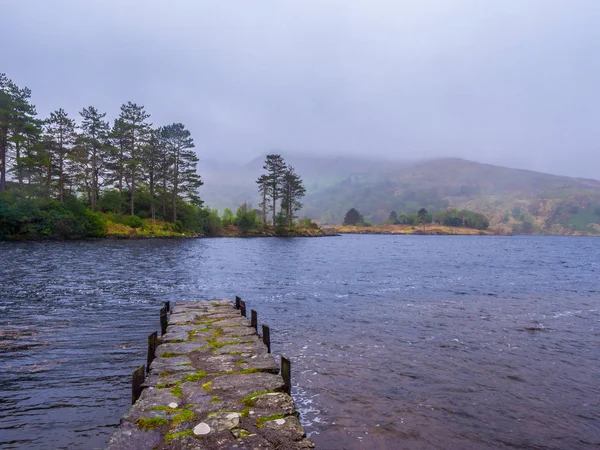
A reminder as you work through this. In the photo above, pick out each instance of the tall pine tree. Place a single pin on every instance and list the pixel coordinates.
(60, 130)
(24, 130)
(137, 130)
(291, 193)
(92, 151)
(156, 165)
(6, 114)
(185, 180)
(275, 167)
(263, 190)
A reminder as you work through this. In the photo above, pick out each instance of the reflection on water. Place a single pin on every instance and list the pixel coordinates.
(396, 341)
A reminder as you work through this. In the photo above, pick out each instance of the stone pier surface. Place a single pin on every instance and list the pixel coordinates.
(212, 386)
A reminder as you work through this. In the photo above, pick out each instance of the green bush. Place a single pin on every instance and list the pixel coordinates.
(133, 222)
(48, 219)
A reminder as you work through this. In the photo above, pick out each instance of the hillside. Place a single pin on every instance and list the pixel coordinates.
(514, 200)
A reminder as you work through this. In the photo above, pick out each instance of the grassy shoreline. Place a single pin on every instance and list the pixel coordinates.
(426, 229)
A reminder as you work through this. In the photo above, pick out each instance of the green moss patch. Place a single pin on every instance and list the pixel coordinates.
(147, 424)
(170, 436)
(162, 408)
(176, 390)
(249, 400)
(195, 376)
(185, 415)
(207, 386)
(171, 354)
(261, 420)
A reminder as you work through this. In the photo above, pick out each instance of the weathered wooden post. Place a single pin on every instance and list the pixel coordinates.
(137, 379)
(151, 349)
(286, 374)
(254, 320)
(267, 337)
(243, 308)
(163, 320)
(168, 306)
(237, 302)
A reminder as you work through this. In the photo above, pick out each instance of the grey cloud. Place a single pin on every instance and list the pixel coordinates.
(502, 81)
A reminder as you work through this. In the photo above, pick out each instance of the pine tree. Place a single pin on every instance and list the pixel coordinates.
(275, 167)
(24, 130)
(60, 130)
(292, 191)
(263, 189)
(137, 130)
(156, 165)
(184, 178)
(6, 113)
(117, 156)
(92, 151)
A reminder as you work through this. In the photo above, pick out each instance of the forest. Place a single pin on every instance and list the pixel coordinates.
(69, 177)
(66, 177)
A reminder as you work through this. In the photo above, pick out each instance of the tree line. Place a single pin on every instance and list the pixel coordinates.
(108, 164)
(280, 184)
(451, 217)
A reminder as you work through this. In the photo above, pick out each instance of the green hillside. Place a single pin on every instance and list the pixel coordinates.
(515, 201)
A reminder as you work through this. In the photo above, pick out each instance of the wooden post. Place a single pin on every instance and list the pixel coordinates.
(163, 320)
(237, 302)
(151, 349)
(168, 306)
(137, 379)
(254, 319)
(286, 373)
(243, 308)
(267, 337)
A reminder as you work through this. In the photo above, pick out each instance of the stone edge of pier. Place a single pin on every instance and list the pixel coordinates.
(211, 385)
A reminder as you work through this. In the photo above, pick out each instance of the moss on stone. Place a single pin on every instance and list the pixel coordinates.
(162, 408)
(249, 400)
(176, 390)
(207, 386)
(242, 433)
(217, 345)
(170, 436)
(185, 415)
(147, 424)
(261, 420)
(171, 354)
(196, 376)
(215, 399)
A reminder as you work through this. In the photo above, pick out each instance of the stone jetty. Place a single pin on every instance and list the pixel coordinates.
(212, 385)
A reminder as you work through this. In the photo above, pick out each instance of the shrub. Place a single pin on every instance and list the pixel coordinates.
(133, 222)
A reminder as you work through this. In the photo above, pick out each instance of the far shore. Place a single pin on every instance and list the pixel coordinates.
(425, 229)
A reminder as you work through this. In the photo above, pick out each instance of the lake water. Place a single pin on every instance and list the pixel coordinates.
(416, 342)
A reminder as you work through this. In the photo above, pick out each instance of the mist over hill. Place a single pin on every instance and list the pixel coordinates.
(515, 200)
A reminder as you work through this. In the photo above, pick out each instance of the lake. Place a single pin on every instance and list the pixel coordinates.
(416, 342)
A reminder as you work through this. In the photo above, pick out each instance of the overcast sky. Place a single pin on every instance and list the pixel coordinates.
(513, 82)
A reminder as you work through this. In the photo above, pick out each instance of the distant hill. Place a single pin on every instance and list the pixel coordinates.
(514, 200)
